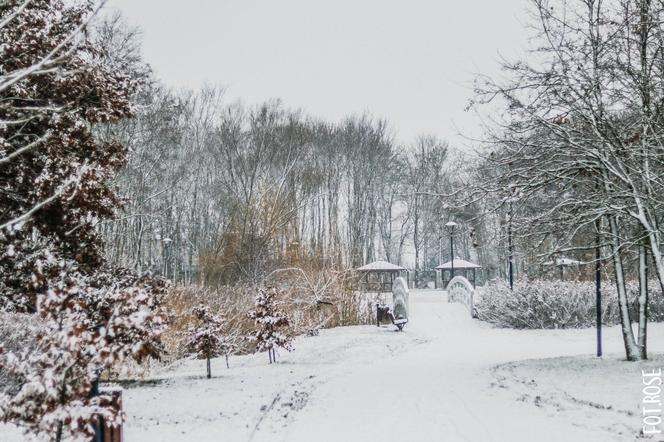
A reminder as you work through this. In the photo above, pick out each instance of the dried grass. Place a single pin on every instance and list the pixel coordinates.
(311, 299)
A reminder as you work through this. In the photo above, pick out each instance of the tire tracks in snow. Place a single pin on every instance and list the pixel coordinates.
(281, 410)
(560, 401)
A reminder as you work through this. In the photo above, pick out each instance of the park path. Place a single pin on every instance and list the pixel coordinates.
(440, 389)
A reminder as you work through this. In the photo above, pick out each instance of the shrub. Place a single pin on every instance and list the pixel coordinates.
(318, 299)
(557, 304)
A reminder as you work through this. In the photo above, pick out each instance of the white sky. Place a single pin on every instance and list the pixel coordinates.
(410, 61)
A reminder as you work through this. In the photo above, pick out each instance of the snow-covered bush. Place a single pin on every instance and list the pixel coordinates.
(320, 298)
(269, 322)
(79, 331)
(206, 339)
(556, 304)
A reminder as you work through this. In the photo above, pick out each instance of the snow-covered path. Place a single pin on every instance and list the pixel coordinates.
(440, 390)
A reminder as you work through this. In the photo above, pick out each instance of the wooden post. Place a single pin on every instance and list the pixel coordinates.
(110, 433)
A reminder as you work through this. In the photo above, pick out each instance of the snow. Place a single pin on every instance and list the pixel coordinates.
(380, 266)
(459, 264)
(608, 403)
(400, 296)
(446, 377)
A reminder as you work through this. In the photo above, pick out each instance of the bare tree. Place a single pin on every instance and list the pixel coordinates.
(581, 121)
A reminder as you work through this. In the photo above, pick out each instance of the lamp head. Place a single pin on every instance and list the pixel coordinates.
(450, 226)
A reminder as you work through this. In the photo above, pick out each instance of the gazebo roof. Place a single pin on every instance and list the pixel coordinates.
(563, 262)
(458, 264)
(380, 266)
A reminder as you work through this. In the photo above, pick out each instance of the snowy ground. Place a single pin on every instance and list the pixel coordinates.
(603, 395)
(446, 378)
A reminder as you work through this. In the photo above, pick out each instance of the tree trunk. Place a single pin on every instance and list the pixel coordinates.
(643, 301)
(656, 253)
(631, 348)
(209, 369)
(416, 244)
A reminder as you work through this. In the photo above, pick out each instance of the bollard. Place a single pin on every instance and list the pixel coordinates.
(383, 314)
(107, 432)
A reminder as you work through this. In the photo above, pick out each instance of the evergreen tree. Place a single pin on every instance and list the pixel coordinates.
(206, 339)
(268, 322)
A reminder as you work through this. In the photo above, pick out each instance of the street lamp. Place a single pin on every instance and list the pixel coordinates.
(510, 247)
(451, 226)
(598, 286)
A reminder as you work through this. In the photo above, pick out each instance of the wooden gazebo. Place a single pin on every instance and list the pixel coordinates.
(462, 267)
(378, 276)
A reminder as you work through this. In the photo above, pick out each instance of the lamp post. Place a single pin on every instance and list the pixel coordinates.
(451, 226)
(510, 248)
(598, 287)
(440, 245)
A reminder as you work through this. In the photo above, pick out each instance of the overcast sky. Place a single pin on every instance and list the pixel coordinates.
(409, 61)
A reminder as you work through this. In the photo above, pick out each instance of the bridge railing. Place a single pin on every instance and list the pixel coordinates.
(459, 289)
